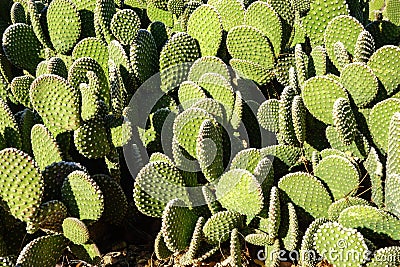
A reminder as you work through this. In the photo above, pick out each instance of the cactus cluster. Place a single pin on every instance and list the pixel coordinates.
(272, 123)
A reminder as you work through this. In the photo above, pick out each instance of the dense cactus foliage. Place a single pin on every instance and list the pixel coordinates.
(239, 126)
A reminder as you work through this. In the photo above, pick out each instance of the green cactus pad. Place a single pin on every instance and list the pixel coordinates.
(209, 196)
(291, 238)
(392, 196)
(82, 196)
(104, 12)
(384, 63)
(160, 248)
(178, 223)
(320, 14)
(189, 93)
(238, 190)
(288, 155)
(299, 118)
(344, 29)
(209, 150)
(217, 228)
(319, 57)
(333, 236)
(124, 26)
(92, 139)
(274, 213)
(42, 251)
(286, 125)
(22, 47)
(371, 221)
(17, 13)
(20, 89)
(282, 69)
(8, 127)
(159, 32)
(49, 89)
(232, 12)
(87, 252)
(388, 256)
(94, 48)
(34, 10)
(56, 65)
(319, 94)
(22, 184)
(263, 17)
(341, 55)
(246, 159)
(49, 217)
(259, 239)
(187, 127)
(308, 256)
(358, 148)
(115, 202)
(361, 82)
(180, 50)
(205, 26)
(195, 242)
(267, 115)
(157, 14)
(144, 56)
(312, 196)
(379, 121)
(338, 206)
(64, 25)
(162, 182)
(250, 70)
(44, 146)
(147, 204)
(220, 90)
(78, 74)
(248, 43)
(339, 174)
(364, 47)
(208, 64)
(272, 253)
(374, 167)
(235, 249)
(75, 230)
(344, 120)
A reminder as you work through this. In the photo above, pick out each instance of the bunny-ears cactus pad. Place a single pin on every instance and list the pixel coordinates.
(217, 228)
(75, 230)
(189, 93)
(339, 174)
(344, 120)
(94, 48)
(50, 89)
(64, 25)
(338, 206)
(156, 184)
(344, 29)
(42, 251)
(263, 17)
(178, 223)
(319, 94)
(379, 121)
(238, 190)
(251, 70)
(187, 127)
(231, 11)
(22, 184)
(205, 26)
(364, 48)
(333, 236)
(20, 89)
(208, 64)
(82, 196)
(371, 221)
(8, 126)
(124, 26)
(44, 146)
(267, 115)
(320, 14)
(249, 43)
(393, 153)
(22, 47)
(361, 82)
(313, 197)
(180, 50)
(384, 62)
